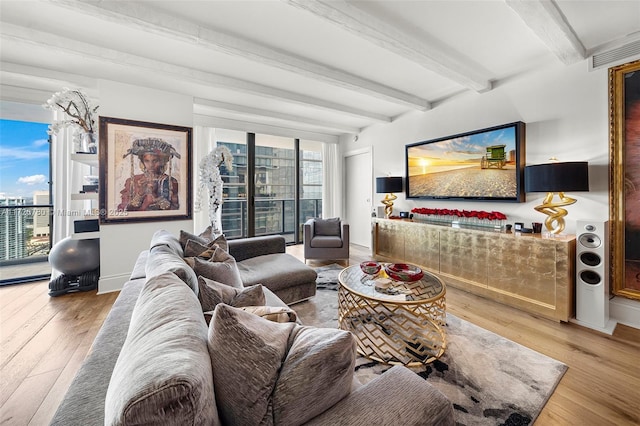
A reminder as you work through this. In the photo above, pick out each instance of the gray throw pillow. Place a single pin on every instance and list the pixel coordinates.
(316, 374)
(163, 259)
(163, 374)
(246, 354)
(221, 267)
(327, 227)
(211, 293)
(205, 251)
(205, 237)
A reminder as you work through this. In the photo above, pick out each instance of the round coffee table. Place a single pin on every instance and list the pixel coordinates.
(400, 324)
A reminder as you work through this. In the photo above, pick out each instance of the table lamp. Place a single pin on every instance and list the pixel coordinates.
(388, 185)
(557, 178)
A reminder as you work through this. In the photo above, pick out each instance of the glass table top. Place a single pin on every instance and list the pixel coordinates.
(381, 287)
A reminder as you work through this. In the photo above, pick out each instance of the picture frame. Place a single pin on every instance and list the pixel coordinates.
(624, 181)
(145, 171)
(481, 165)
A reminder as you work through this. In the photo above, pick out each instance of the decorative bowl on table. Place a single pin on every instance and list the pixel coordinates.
(370, 267)
(403, 272)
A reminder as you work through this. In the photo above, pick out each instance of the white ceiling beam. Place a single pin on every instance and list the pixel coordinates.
(549, 24)
(245, 126)
(147, 19)
(429, 55)
(101, 54)
(258, 112)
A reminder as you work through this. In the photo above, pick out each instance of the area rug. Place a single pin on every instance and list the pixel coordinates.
(490, 380)
(328, 276)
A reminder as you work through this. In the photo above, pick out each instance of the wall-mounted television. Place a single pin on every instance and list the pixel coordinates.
(486, 165)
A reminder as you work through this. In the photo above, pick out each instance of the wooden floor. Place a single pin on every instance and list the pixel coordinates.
(44, 340)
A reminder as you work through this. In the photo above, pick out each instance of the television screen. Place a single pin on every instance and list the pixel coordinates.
(485, 164)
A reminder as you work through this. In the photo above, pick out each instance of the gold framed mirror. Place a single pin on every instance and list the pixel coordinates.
(624, 180)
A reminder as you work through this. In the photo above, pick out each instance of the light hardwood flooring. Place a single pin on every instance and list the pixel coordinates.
(44, 340)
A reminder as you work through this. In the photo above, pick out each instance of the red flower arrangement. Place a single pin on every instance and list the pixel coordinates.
(460, 213)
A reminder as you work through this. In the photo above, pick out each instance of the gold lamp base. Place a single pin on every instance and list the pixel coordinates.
(388, 203)
(555, 220)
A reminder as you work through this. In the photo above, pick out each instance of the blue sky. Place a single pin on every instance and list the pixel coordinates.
(24, 158)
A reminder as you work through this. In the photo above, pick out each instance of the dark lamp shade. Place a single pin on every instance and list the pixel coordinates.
(557, 177)
(387, 185)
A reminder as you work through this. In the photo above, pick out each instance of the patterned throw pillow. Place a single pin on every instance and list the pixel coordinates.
(211, 293)
(205, 237)
(243, 346)
(195, 248)
(221, 267)
(316, 373)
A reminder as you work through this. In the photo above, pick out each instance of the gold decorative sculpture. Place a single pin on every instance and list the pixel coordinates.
(389, 185)
(557, 178)
(554, 211)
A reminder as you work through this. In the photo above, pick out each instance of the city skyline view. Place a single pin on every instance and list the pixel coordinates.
(24, 150)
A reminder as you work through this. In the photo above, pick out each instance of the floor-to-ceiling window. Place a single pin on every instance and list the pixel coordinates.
(274, 186)
(25, 201)
(235, 190)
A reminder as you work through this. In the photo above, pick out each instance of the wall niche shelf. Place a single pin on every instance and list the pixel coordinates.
(530, 272)
(85, 235)
(85, 196)
(92, 198)
(88, 159)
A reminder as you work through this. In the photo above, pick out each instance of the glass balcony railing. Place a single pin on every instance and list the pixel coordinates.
(272, 217)
(25, 242)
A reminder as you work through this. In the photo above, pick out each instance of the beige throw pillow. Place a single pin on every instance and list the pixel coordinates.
(163, 374)
(246, 354)
(273, 313)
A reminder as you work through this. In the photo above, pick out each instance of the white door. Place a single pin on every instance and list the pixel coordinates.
(358, 172)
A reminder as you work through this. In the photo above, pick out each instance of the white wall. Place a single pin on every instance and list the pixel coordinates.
(566, 113)
(120, 244)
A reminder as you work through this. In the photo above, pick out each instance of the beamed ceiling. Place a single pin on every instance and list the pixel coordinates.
(329, 67)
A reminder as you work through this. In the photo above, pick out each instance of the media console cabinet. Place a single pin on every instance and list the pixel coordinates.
(528, 271)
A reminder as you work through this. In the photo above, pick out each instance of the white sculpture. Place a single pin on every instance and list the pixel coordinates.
(211, 180)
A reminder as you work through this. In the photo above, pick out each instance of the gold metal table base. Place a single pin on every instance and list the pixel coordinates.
(411, 334)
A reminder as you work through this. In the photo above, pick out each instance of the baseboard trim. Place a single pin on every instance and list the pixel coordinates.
(625, 311)
(112, 283)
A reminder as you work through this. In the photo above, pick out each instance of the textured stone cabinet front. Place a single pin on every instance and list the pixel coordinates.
(530, 272)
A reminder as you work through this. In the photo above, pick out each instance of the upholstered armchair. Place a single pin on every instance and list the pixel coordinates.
(326, 239)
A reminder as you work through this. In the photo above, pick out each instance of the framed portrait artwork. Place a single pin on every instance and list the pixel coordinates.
(624, 186)
(145, 171)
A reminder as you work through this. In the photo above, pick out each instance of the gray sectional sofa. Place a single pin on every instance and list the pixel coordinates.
(156, 361)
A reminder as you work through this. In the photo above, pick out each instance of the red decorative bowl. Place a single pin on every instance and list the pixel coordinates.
(403, 272)
(370, 267)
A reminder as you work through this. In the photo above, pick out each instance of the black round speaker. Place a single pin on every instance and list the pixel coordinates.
(590, 259)
(590, 277)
